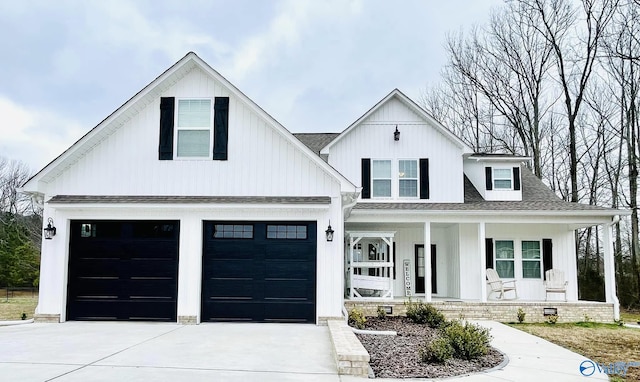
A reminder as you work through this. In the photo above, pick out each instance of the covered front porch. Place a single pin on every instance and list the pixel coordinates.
(452, 272)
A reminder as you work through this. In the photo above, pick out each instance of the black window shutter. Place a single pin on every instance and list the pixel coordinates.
(167, 109)
(424, 178)
(366, 178)
(488, 249)
(516, 178)
(487, 173)
(220, 128)
(547, 255)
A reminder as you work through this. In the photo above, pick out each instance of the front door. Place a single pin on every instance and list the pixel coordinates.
(420, 268)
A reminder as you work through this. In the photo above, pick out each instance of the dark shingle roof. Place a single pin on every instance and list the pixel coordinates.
(316, 141)
(134, 199)
(535, 197)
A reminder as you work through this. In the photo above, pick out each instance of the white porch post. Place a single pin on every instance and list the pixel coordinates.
(483, 261)
(609, 270)
(427, 261)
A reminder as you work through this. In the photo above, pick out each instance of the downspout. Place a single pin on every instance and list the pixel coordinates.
(350, 200)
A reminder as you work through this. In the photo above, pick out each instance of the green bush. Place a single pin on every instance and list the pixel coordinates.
(468, 341)
(521, 315)
(357, 318)
(381, 312)
(422, 313)
(552, 319)
(438, 350)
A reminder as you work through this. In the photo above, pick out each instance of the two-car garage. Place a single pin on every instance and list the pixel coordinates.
(251, 271)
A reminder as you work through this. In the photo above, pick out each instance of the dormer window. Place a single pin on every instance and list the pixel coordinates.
(502, 179)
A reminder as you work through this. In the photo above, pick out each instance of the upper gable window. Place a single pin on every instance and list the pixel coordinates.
(381, 170)
(408, 178)
(193, 128)
(502, 179)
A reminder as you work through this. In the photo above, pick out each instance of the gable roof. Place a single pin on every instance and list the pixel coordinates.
(408, 102)
(145, 96)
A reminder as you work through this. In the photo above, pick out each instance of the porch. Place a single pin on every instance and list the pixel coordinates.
(451, 273)
(503, 311)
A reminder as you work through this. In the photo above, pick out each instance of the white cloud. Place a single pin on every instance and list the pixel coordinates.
(34, 136)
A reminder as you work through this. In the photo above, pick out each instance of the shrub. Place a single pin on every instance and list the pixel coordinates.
(422, 313)
(552, 319)
(438, 350)
(521, 315)
(357, 318)
(468, 341)
(381, 312)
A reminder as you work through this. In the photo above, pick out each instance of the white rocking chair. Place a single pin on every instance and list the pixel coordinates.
(497, 285)
(555, 283)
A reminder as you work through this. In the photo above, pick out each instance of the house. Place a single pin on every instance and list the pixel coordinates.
(191, 204)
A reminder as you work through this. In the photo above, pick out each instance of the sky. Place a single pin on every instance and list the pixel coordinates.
(314, 65)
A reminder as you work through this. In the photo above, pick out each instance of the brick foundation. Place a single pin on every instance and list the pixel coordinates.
(46, 318)
(503, 311)
(351, 357)
(187, 320)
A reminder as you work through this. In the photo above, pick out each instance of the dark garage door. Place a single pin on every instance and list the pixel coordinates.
(123, 270)
(259, 271)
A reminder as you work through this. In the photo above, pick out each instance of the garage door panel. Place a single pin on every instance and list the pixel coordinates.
(156, 288)
(235, 311)
(293, 250)
(96, 267)
(118, 270)
(154, 268)
(148, 249)
(288, 312)
(288, 269)
(106, 310)
(243, 278)
(231, 288)
(287, 289)
(231, 268)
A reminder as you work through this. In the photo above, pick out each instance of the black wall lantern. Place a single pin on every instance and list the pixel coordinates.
(50, 230)
(396, 134)
(329, 232)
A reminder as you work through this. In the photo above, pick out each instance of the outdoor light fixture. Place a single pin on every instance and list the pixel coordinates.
(396, 134)
(329, 232)
(50, 230)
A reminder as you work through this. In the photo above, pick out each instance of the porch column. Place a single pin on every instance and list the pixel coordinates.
(609, 269)
(482, 249)
(427, 261)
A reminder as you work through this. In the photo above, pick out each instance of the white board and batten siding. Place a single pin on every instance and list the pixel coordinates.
(475, 171)
(261, 161)
(373, 138)
(528, 289)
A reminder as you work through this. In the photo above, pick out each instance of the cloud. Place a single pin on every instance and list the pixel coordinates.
(34, 136)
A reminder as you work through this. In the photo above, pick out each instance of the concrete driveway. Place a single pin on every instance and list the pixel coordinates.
(123, 351)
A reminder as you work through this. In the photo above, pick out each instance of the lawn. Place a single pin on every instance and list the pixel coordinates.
(19, 302)
(602, 343)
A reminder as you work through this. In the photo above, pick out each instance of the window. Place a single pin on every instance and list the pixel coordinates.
(408, 178)
(504, 259)
(502, 178)
(286, 231)
(233, 231)
(193, 128)
(381, 178)
(531, 259)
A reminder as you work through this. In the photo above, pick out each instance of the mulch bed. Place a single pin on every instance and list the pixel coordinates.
(397, 356)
